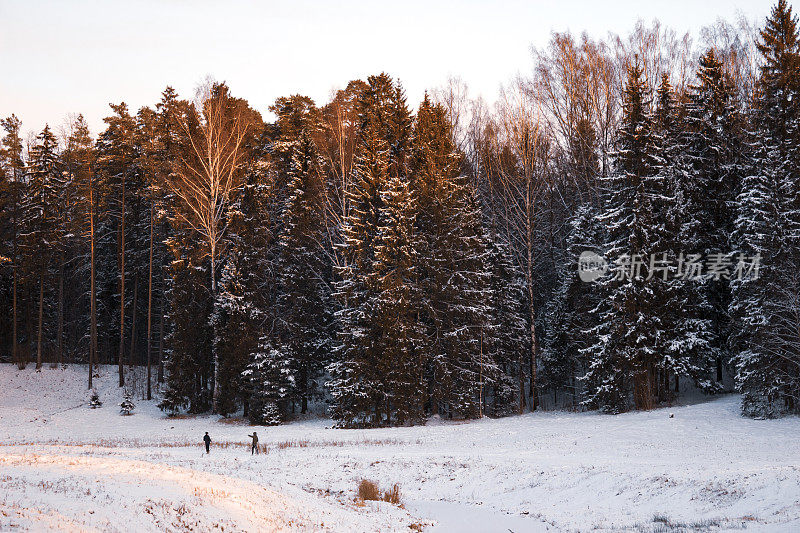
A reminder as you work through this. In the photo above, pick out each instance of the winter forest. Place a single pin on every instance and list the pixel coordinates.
(380, 261)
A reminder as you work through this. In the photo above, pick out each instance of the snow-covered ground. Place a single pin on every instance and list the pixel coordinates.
(64, 466)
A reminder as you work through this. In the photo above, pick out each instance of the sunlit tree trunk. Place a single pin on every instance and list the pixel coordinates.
(131, 361)
(149, 302)
(122, 289)
(92, 297)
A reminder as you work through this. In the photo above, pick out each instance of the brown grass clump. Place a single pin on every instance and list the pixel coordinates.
(392, 495)
(368, 490)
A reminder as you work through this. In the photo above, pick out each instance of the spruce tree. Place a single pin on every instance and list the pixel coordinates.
(711, 152)
(269, 379)
(765, 341)
(304, 280)
(401, 333)
(359, 397)
(623, 356)
(571, 311)
(44, 174)
(453, 270)
(506, 336)
(685, 349)
(247, 299)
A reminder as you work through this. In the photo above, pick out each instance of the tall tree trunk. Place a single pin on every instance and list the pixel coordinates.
(149, 302)
(133, 319)
(532, 359)
(534, 400)
(41, 320)
(27, 299)
(521, 408)
(214, 354)
(92, 299)
(60, 358)
(15, 355)
(122, 289)
(14, 348)
(161, 343)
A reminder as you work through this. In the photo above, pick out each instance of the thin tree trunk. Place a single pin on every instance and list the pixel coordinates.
(521, 408)
(93, 302)
(534, 402)
(133, 319)
(60, 359)
(532, 360)
(28, 298)
(14, 348)
(161, 343)
(15, 355)
(41, 321)
(122, 290)
(214, 354)
(149, 302)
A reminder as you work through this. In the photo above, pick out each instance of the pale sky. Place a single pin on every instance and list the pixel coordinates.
(59, 57)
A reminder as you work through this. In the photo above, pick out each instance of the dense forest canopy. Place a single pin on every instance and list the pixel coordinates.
(396, 261)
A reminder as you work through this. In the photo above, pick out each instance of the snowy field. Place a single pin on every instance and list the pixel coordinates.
(64, 466)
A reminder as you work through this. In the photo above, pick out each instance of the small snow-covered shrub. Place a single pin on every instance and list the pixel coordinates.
(94, 400)
(127, 406)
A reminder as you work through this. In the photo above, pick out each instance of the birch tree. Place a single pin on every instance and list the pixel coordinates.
(207, 177)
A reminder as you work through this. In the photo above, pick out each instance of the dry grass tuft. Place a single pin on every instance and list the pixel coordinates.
(392, 495)
(368, 490)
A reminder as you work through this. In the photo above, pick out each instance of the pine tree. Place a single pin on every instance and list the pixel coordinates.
(79, 160)
(117, 155)
(12, 194)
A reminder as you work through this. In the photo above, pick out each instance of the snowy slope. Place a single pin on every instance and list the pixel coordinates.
(707, 468)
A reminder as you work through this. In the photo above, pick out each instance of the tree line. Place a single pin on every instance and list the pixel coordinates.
(397, 263)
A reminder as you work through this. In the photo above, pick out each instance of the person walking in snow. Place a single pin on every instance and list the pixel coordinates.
(254, 448)
(207, 440)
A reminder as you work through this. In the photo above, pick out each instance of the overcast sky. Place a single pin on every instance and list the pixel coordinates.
(59, 57)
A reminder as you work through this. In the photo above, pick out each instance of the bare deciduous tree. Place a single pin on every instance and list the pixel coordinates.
(207, 177)
(522, 178)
